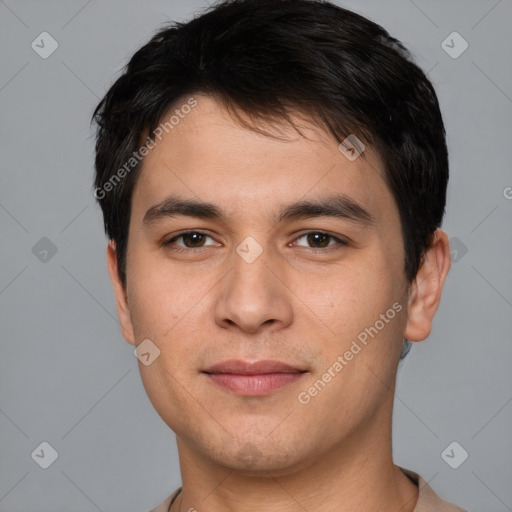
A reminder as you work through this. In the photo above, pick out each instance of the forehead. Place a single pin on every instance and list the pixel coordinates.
(207, 155)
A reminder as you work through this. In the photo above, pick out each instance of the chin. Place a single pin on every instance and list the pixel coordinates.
(258, 458)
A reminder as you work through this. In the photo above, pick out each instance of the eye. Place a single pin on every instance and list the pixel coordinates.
(320, 239)
(196, 240)
(191, 239)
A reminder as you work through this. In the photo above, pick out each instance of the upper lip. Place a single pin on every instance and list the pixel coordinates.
(240, 367)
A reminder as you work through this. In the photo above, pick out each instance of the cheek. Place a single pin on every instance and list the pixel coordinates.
(349, 298)
(160, 295)
(351, 306)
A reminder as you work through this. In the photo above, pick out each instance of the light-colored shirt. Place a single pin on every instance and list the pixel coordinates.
(428, 500)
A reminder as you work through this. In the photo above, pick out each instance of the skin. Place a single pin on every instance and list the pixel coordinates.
(294, 304)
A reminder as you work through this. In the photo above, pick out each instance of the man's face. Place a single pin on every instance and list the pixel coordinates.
(252, 287)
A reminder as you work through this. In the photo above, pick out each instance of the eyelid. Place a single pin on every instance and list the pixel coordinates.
(168, 241)
(341, 241)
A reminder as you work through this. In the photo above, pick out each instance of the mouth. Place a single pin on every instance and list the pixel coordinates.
(253, 379)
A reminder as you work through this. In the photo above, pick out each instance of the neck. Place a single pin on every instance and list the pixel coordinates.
(356, 474)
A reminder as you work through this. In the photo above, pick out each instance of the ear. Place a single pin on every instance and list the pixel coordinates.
(123, 312)
(427, 287)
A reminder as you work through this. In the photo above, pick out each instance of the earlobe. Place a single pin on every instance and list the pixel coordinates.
(427, 288)
(123, 312)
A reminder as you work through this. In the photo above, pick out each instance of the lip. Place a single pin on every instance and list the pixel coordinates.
(240, 367)
(253, 379)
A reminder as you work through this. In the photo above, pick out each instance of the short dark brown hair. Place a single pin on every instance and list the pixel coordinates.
(269, 58)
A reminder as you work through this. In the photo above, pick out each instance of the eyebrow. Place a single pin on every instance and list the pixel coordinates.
(338, 206)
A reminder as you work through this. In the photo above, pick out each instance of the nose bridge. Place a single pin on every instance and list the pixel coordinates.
(249, 283)
(251, 294)
(250, 270)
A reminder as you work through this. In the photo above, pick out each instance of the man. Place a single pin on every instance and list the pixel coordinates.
(273, 177)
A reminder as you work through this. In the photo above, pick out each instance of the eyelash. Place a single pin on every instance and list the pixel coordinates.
(341, 243)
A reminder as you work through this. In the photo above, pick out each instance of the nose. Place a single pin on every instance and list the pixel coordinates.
(254, 295)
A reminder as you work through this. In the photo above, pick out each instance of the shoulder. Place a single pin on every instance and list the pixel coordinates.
(164, 507)
(428, 500)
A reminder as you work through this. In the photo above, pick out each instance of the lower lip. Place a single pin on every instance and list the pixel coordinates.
(254, 385)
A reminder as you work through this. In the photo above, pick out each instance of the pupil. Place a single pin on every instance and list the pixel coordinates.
(314, 239)
(196, 237)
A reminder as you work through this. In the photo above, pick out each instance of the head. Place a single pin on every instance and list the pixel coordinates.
(304, 153)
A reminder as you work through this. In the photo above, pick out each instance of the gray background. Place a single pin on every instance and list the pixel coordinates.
(67, 377)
